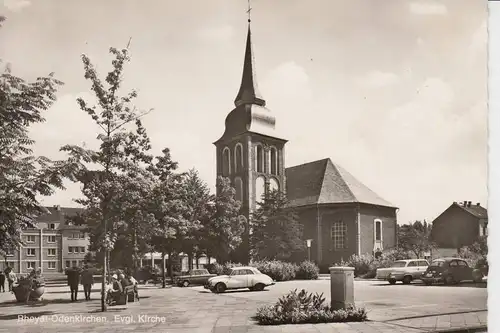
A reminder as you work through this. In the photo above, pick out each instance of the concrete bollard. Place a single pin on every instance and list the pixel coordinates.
(342, 287)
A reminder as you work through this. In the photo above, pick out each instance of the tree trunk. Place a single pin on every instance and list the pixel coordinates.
(208, 259)
(190, 261)
(104, 280)
(163, 268)
(197, 261)
(170, 266)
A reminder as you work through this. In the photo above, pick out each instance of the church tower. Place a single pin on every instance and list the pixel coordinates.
(249, 152)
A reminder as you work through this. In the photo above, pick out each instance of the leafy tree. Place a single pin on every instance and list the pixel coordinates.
(415, 238)
(225, 226)
(24, 176)
(276, 230)
(118, 165)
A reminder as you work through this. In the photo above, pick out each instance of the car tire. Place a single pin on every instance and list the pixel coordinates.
(251, 289)
(407, 279)
(478, 278)
(259, 287)
(220, 288)
(185, 283)
(392, 281)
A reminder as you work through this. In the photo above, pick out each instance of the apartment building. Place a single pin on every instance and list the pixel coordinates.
(53, 245)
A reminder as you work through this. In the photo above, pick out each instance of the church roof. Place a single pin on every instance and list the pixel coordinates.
(323, 182)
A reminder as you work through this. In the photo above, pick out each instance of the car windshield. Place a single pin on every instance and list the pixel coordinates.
(437, 263)
(235, 272)
(256, 271)
(399, 264)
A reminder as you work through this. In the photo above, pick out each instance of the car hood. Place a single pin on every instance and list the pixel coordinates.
(218, 277)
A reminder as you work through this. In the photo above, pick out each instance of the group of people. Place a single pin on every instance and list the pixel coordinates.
(77, 276)
(118, 284)
(9, 275)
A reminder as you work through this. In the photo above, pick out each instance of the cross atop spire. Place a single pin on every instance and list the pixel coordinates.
(248, 93)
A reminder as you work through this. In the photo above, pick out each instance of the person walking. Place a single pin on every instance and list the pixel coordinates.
(87, 282)
(2, 281)
(73, 282)
(11, 277)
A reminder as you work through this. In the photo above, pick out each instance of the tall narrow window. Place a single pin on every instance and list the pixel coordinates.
(378, 230)
(339, 235)
(238, 157)
(238, 185)
(226, 162)
(274, 161)
(260, 188)
(259, 152)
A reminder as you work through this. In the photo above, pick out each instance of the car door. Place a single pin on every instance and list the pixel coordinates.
(454, 270)
(238, 279)
(465, 272)
(412, 268)
(250, 278)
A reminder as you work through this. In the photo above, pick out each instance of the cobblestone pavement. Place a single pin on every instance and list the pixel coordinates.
(185, 310)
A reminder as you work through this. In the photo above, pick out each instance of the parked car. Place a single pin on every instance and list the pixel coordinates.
(239, 278)
(194, 277)
(403, 270)
(450, 271)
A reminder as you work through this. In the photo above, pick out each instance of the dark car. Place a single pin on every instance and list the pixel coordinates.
(194, 277)
(450, 271)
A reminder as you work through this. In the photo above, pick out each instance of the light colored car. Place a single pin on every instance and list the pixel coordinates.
(239, 278)
(403, 270)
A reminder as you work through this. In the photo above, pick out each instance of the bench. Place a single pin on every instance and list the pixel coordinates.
(128, 294)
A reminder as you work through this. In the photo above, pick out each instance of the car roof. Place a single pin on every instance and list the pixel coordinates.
(244, 267)
(409, 260)
(448, 259)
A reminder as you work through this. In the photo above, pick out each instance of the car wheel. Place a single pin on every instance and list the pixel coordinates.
(392, 281)
(407, 279)
(449, 280)
(251, 289)
(220, 288)
(185, 283)
(259, 287)
(478, 277)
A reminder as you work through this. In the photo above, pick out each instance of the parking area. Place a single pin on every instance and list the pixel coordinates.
(383, 301)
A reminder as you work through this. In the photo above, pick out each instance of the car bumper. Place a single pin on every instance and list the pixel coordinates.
(432, 279)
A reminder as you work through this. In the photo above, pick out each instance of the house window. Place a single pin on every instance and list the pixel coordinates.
(51, 239)
(82, 249)
(70, 249)
(259, 158)
(52, 226)
(82, 235)
(9, 253)
(30, 252)
(51, 265)
(238, 185)
(339, 235)
(274, 161)
(483, 231)
(30, 239)
(68, 264)
(238, 157)
(74, 263)
(30, 265)
(226, 162)
(51, 252)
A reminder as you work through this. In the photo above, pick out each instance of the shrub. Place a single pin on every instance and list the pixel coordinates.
(307, 270)
(362, 264)
(302, 308)
(221, 269)
(277, 270)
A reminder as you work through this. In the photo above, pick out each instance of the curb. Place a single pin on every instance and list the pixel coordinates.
(477, 329)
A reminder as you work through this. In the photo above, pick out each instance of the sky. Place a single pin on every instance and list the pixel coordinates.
(394, 91)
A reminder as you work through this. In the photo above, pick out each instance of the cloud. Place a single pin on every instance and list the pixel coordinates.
(16, 5)
(217, 34)
(428, 8)
(378, 79)
(288, 79)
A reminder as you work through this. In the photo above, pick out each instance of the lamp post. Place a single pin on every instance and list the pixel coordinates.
(308, 243)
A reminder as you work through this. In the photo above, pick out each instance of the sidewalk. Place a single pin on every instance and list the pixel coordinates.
(188, 310)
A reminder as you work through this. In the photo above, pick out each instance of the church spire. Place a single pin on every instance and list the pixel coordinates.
(248, 93)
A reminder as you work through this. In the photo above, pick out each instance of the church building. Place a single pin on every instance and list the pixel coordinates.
(340, 214)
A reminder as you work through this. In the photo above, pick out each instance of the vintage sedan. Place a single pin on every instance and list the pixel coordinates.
(450, 271)
(194, 277)
(403, 270)
(239, 278)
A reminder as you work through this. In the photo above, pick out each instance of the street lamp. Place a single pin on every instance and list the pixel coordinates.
(308, 243)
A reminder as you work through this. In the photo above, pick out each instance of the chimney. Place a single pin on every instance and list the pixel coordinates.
(469, 203)
(478, 204)
(57, 207)
(464, 203)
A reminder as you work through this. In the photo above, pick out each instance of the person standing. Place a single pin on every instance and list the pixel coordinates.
(2, 281)
(87, 282)
(73, 282)
(11, 277)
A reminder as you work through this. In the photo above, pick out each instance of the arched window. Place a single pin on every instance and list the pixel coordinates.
(238, 157)
(378, 235)
(238, 185)
(378, 230)
(274, 185)
(226, 162)
(274, 161)
(260, 188)
(259, 158)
